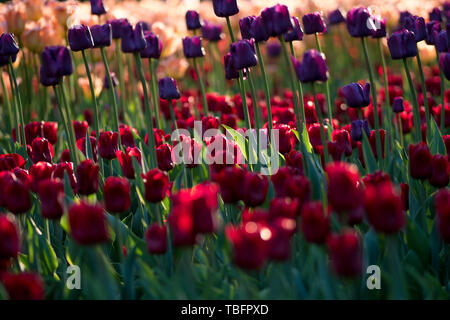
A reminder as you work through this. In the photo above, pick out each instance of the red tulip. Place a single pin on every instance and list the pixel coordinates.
(41, 150)
(181, 221)
(440, 170)
(419, 161)
(126, 136)
(116, 193)
(446, 139)
(126, 161)
(50, 131)
(63, 168)
(108, 144)
(341, 138)
(164, 157)
(88, 223)
(384, 208)
(281, 231)
(51, 195)
(9, 238)
(65, 156)
(345, 253)
(80, 128)
(23, 176)
(156, 239)
(344, 188)
(442, 205)
(250, 244)
(405, 195)
(231, 180)
(40, 171)
(10, 161)
(81, 145)
(17, 196)
(5, 178)
(286, 138)
(294, 159)
(284, 207)
(87, 177)
(156, 184)
(203, 199)
(315, 222)
(255, 189)
(375, 178)
(373, 142)
(23, 286)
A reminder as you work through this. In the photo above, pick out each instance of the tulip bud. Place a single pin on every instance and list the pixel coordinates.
(279, 244)
(80, 38)
(444, 63)
(51, 196)
(441, 41)
(397, 105)
(41, 150)
(315, 222)
(108, 144)
(313, 23)
(294, 160)
(416, 25)
(358, 22)
(245, 27)
(153, 48)
(116, 193)
(87, 177)
(277, 20)
(132, 39)
(380, 28)
(435, 15)
(440, 169)
(230, 179)
(345, 253)
(8, 45)
(357, 129)
(296, 34)
(126, 161)
(9, 238)
(432, 28)
(10, 161)
(17, 196)
(402, 44)
(101, 35)
(116, 26)
(442, 205)
(255, 189)
(23, 286)
(243, 54)
(335, 17)
(193, 20)
(81, 145)
(419, 161)
(284, 207)
(168, 89)
(356, 96)
(38, 172)
(192, 47)
(156, 239)
(312, 68)
(164, 157)
(56, 62)
(97, 7)
(127, 136)
(225, 8)
(212, 32)
(156, 184)
(88, 225)
(230, 71)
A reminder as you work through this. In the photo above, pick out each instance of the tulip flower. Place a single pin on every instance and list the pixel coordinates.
(156, 239)
(279, 244)
(97, 7)
(87, 174)
(193, 20)
(156, 184)
(108, 144)
(88, 225)
(440, 170)
(277, 20)
(345, 251)
(435, 15)
(40, 150)
(313, 23)
(212, 32)
(23, 286)
(312, 68)
(116, 192)
(51, 196)
(315, 224)
(17, 196)
(441, 203)
(225, 8)
(357, 22)
(80, 38)
(63, 168)
(101, 35)
(432, 27)
(116, 26)
(380, 28)
(255, 186)
(357, 129)
(9, 238)
(397, 105)
(164, 157)
(419, 161)
(231, 72)
(126, 161)
(243, 54)
(356, 96)
(132, 38)
(416, 25)
(10, 161)
(296, 34)
(284, 207)
(81, 145)
(38, 172)
(335, 17)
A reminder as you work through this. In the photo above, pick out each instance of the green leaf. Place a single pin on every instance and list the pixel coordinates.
(369, 158)
(437, 143)
(240, 140)
(417, 240)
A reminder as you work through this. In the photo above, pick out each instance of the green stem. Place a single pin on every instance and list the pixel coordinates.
(374, 99)
(113, 96)
(19, 103)
(7, 104)
(322, 129)
(424, 92)
(230, 30)
(400, 129)
(94, 98)
(202, 88)
(441, 75)
(255, 115)
(245, 108)
(172, 115)
(390, 119)
(148, 111)
(327, 87)
(300, 91)
(266, 89)
(416, 113)
(154, 93)
(120, 75)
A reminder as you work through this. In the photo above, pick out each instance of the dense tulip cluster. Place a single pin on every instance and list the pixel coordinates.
(162, 157)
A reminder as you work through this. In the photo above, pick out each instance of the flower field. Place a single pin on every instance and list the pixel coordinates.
(224, 150)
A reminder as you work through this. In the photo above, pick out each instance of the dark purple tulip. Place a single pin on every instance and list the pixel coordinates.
(296, 34)
(380, 28)
(192, 47)
(243, 54)
(144, 25)
(245, 25)
(356, 96)
(447, 28)
(116, 26)
(168, 89)
(102, 35)
(8, 45)
(4, 60)
(230, 71)
(56, 62)
(357, 129)
(113, 80)
(132, 38)
(258, 30)
(432, 27)
(444, 62)
(403, 16)
(397, 105)
(435, 15)
(312, 68)
(225, 8)
(273, 49)
(193, 20)
(154, 46)
(357, 22)
(441, 41)
(417, 25)
(212, 32)
(277, 20)
(313, 23)
(80, 38)
(97, 7)
(335, 17)
(46, 80)
(402, 44)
